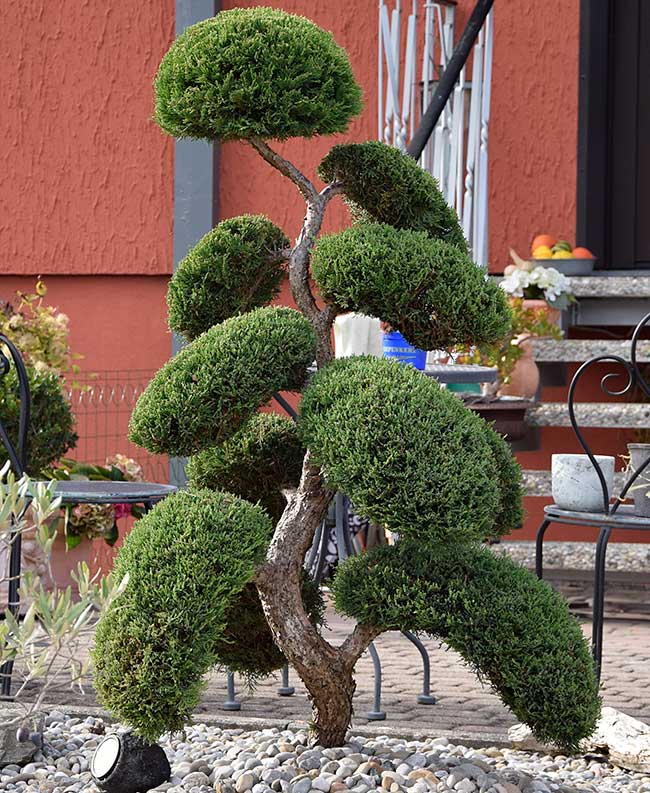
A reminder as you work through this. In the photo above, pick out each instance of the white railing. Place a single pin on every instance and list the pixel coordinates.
(409, 67)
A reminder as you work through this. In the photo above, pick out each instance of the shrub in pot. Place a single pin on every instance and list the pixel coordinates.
(409, 454)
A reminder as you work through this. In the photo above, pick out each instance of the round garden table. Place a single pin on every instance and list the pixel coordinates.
(78, 492)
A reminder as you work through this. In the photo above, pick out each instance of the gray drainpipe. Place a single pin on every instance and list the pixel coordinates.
(196, 186)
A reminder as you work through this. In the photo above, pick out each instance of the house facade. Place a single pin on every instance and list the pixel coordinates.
(101, 204)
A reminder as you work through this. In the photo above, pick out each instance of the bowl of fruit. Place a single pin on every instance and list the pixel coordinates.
(560, 254)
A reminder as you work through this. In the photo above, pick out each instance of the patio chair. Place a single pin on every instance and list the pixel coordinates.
(614, 515)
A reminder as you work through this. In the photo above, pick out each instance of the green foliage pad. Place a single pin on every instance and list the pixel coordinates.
(255, 72)
(386, 186)
(408, 453)
(510, 628)
(427, 289)
(247, 645)
(51, 426)
(263, 457)
(187, 560)
(204, 394)
(235, 267)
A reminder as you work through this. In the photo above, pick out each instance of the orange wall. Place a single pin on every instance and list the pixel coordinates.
(86, 178)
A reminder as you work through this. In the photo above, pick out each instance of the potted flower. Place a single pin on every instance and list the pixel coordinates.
(542, 288)
(79, 524)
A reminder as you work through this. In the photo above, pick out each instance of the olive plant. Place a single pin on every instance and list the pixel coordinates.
(216, 571)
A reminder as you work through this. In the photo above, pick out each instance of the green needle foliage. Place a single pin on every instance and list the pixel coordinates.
(247, 646)
(427, 289)
(408, 453)
(187, 560)
(386, 186)
(255, 72)
(236, 267)
(51, 427)
(510, 628)
(213, 386)
(263, 457)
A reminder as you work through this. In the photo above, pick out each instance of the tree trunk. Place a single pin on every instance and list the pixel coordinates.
(331, 696)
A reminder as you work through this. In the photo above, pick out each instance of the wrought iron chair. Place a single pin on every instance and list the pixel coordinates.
(614, 515)
(18, 459)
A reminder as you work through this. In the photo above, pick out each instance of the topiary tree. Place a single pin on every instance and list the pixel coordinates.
(209, 568)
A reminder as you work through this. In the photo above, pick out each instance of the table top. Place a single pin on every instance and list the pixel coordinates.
(623, 517)
(461, 373)
(83, 492)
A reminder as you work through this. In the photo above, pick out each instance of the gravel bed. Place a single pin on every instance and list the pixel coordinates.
(208, 759)
(623, 556)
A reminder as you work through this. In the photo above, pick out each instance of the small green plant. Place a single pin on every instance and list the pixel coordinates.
(46, 644)
(503, 354)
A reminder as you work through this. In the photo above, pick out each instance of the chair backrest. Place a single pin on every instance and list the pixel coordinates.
(17, 453)
(612, 384)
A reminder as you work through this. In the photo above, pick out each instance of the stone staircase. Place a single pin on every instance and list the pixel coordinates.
(617, 302)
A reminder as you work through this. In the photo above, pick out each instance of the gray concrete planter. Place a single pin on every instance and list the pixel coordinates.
(575, 483)
(640, 490)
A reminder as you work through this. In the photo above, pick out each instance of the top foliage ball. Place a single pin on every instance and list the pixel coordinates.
(255, 72)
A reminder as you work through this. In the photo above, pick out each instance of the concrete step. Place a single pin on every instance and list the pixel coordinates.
(597, 286)
(538, 483)
(591, 414)
(580, 350)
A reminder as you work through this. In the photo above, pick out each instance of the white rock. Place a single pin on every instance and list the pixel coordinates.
(627, 740)
(11, 750)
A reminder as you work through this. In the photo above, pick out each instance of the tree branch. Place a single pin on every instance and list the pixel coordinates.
(357, 642)
(285, 167)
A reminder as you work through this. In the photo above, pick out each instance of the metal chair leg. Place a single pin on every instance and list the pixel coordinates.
(13, 605)
(231, 703)
(539, 550)
(425, 698)
(599, 598)
(286, 690)
(376, 714)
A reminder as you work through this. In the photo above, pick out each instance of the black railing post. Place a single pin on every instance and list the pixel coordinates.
(449, 78)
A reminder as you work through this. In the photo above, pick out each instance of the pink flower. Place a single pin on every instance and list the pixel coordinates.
(122, 510)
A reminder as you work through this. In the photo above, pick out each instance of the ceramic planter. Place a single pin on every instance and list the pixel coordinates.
(639, 453)
(575, 483)
(524, 379)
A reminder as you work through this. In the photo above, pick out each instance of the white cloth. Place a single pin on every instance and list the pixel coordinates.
(357, 334)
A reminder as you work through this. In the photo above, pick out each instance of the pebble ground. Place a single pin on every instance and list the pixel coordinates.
(212, 760)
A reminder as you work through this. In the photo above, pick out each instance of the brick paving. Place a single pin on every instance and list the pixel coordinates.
(464, 706)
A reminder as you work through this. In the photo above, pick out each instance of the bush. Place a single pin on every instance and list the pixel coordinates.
(51, 426)
(510, 513)
(427, 289)
(247, 645)
(255, 72)
(386, 186)
(213, 386)
(263, 457)
(236, 267)
(511, 628)
(187, 561)
(407, 452)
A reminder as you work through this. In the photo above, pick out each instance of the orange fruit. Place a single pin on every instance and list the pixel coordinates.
(582, 253)
(543, 240)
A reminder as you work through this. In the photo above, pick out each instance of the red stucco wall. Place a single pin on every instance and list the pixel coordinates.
(86, 178)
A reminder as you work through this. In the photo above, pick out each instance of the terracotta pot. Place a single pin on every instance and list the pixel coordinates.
(554, 314)
(64, 561)
(524, 380)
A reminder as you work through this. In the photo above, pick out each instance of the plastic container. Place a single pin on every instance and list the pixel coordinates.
(394, 345)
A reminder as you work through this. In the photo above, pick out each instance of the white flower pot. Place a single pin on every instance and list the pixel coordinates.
(575, 483)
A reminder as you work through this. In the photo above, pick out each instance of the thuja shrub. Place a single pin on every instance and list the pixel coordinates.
(237, 266)
(206, 392)
(508, 626)
(510, 512)
(51, 428)
(386, 186)
(246, 645)
(255, 72)
(427, 289)
(260, 459)
(187, 561)
(406, 451)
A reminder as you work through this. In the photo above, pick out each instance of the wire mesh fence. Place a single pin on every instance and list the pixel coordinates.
(102, 403)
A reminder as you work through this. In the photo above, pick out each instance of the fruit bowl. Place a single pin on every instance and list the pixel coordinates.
(570, 266)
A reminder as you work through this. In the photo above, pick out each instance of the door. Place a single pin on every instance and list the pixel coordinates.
(614, 132)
